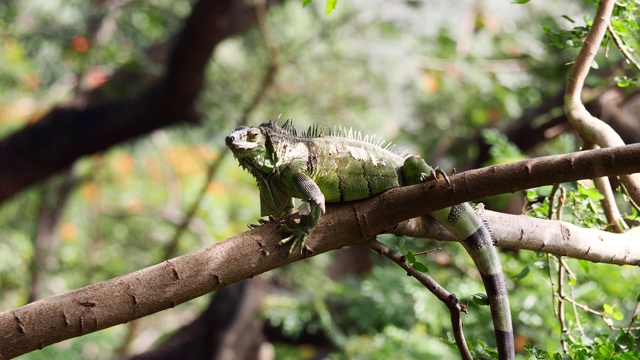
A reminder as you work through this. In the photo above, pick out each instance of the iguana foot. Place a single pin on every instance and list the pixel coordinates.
(298, 233)
(436, 174)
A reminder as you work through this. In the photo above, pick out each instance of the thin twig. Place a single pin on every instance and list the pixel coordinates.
(634, 316)
(553, 287)
(561, 317)
(449, 299)
(622, 47)
(427, 251)
(575, 313)
(566, 267)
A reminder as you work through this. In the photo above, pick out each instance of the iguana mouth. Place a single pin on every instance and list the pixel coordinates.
(243, 146)
(238, 143)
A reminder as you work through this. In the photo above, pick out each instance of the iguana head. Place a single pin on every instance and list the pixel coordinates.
(250, 146)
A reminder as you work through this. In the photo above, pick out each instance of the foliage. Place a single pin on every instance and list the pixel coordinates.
(623, 346)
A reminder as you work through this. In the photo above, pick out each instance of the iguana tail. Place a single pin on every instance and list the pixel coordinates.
(464, 223)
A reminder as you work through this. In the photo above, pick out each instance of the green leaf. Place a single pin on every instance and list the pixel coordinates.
(306, 2)
(480, 299)
(568, 19)
(331, 5)
(522, 274)
(532, 196)
(623, 81)
(604, 351)
(420, 267)
(617, 316)
(585, 265)
(592, 193)
(410, 257)
(519, 1)
(608, 309)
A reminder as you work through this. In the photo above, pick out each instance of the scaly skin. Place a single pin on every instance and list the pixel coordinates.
(327, 169)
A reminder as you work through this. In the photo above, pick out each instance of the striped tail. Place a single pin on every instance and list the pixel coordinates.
(467, 226)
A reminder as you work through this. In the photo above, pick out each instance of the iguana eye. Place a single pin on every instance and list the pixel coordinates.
(253, 134)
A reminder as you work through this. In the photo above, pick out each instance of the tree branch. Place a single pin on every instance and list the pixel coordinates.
(591, 129)
(175, 281)
(519, 232)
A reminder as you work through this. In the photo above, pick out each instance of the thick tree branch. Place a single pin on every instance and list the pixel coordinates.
(67, 133)
(172, 282)
(519, 232)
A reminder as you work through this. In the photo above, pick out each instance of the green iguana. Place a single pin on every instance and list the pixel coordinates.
(341, 167)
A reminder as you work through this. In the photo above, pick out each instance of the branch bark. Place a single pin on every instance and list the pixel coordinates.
(519, 232)
(175, 281)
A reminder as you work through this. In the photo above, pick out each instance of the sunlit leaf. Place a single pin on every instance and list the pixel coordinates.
(331, 5)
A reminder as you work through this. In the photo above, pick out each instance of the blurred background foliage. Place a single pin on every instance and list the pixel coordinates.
(442, 79)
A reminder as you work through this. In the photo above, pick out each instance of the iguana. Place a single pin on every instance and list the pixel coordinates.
(342, 166)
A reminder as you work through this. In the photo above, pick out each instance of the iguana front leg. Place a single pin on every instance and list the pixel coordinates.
(288, 210)
(305, 188)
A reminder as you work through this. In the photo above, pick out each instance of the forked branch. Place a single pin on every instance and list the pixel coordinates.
(591, 129)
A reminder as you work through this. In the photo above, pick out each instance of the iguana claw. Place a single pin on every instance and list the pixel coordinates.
(436, 174)
(298, 233)
(261, 222)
